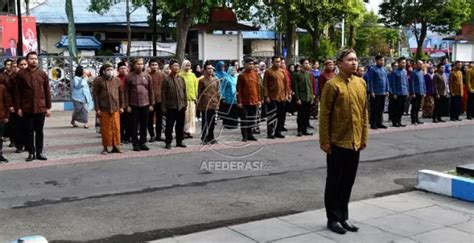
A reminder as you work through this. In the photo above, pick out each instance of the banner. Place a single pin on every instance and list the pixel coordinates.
(9, 35)
(145, 48)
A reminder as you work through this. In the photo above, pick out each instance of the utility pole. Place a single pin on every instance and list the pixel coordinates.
(19, 49)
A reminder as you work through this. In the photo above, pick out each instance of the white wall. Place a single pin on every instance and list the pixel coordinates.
(220, 47)
(259, 46)
(463, 52)
(49, 36)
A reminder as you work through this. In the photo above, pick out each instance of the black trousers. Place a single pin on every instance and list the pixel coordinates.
(207, 125)
(157, 115)
(139, 121)
(398, 108)
(470, 105)
(248, 120)
(439, 104)
(377, 104)
(125, 126)
(415, 107)
(275, 117)
(18, 130)
(302, 120)
(2, 132)
(455, 107)
(174, 116)
(34, 125)
(342, 169)
(391, 103)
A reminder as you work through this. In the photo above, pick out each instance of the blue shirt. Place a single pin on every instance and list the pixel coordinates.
(399, 82)
(316, 73)
(80, 92)
(378, 80)
(417, 84)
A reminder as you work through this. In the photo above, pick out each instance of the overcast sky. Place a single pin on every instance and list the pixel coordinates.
(374, 5)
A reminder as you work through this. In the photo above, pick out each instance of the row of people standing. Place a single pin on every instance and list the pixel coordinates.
(25, 102)
(416, 84)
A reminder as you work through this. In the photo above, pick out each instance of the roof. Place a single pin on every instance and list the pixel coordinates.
(83, 43)
(53, 12)
(222, 18)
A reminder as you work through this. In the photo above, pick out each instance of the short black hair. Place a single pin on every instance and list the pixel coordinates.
(79, 71)
(121, 64)
(7, 61)
(456, 62)
(18, 60)
(378, 57)
(302, 60)
(344, 53)
(173, 61)
(394, 63)
(207, 63)
(30, 54)
(12, 39)
(153, 60)
(275, 57)
(400, 59)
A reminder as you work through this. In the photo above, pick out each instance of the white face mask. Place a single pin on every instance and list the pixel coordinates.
(109, 74)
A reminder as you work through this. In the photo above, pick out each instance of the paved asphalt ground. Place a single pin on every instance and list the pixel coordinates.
(79, 195)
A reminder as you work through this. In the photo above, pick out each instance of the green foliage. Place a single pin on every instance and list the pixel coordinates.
(422, 15)
(326, 50)
(373, 39)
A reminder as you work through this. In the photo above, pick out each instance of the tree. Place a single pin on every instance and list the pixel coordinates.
(422, 15)
(103, 6)
(314, 16)
(373, 39)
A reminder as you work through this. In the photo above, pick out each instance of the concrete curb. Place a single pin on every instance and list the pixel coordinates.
(445, 184)
(62, 106)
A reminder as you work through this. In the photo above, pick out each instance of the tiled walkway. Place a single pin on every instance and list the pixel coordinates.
(409, 217)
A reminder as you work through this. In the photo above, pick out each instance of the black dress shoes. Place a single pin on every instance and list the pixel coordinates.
(30, 158)
(270, 137)
(308, 134)
(41, 157)
(181, 145)
(168, 146)
(382, 126)
(279, 136)
(152, 139)
(144, 147)
(336, 227)
(348, 226)
(299, 134)
(252, 138)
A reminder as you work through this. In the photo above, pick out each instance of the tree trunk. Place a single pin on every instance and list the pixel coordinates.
(71, 30)
(129, 28)
(420, 53)
(316, 40)
(352, 40)
(154, 13)
(290, 40)
(183, 22)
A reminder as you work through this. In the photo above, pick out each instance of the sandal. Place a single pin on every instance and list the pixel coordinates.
(105, 152)
(86, 126)
(73, 124)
